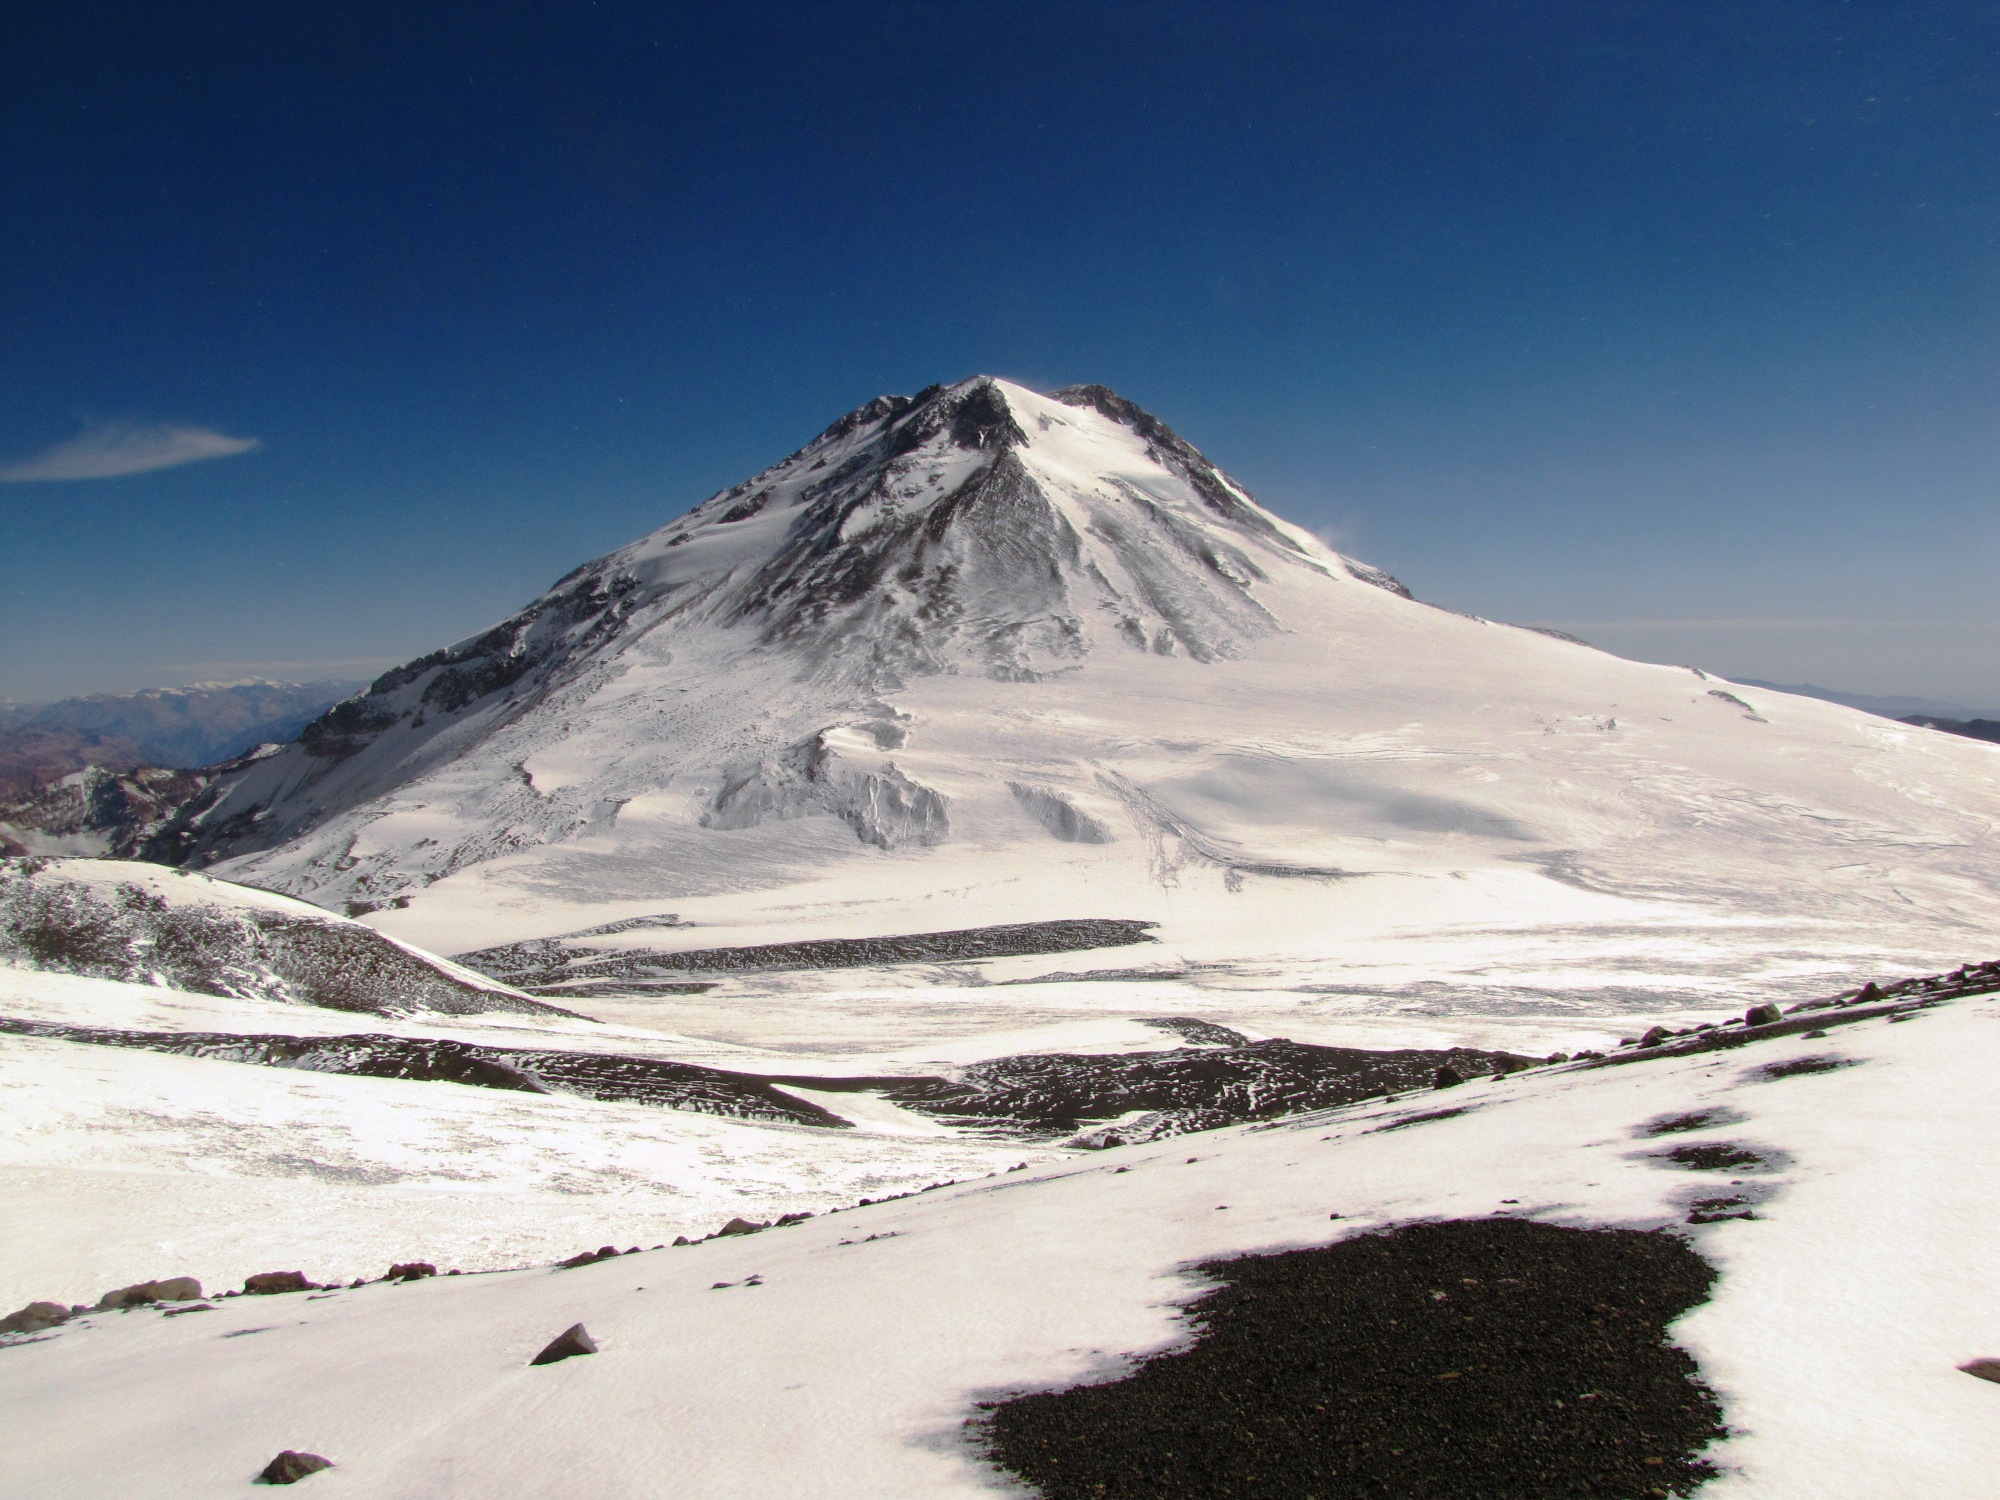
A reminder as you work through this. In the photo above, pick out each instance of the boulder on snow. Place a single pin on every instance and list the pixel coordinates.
(1985, 1369)
(1654, 1036)
(268, 1283)
(1446, 1077)
(139, 1294)
(589, 1257)
(35, 1317)
(1869, 991)
(740, 1226)
(1763, 1015)
(290, 1467)
(414, 1270)
(572, 1340)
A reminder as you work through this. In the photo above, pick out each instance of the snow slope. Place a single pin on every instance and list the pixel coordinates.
(991, 656)
(851, 1366)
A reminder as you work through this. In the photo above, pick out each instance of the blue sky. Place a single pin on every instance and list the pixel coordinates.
(327, 338)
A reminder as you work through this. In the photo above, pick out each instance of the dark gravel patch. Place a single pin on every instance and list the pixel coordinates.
(1700, 1119)
(1195, 1088)
(1720, 1156)
(594, 1075)
(1542, 1370)
(1423, 1119)
(1800, 1067)
(548, 960)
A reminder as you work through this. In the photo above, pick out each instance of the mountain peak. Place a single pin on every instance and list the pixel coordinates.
(979, 528)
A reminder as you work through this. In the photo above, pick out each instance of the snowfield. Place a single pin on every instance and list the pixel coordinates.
(852, 1364)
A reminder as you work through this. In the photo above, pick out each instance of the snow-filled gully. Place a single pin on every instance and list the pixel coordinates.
(845, 1354)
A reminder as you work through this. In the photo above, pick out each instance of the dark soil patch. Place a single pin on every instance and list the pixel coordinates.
(594, 1075)
(1502, 1359)
(1721, 1156)
(1195, 1088)
(1800, 1066)
(549, 960)
(1423, 1119)
(1701, 1119)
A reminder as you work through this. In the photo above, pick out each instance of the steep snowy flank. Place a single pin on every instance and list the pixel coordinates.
(914, 536)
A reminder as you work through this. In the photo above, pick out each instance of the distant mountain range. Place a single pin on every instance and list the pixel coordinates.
(1909, 710)
(172, 728)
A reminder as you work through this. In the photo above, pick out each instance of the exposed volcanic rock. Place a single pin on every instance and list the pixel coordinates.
(1500, 1358)
(546, 962)
(99, 811)
(595, 1075)
(149, 926)
(1186, 1089)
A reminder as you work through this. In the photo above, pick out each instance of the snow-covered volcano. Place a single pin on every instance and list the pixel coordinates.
(985, 656)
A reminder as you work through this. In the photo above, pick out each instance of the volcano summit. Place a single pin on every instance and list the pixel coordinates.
(989, 656)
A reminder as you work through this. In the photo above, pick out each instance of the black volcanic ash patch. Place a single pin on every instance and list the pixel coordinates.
(1498, 1358)
(1192, 1088)
(1700, 1119)
(1423, 1119)
(594, 1075)
(547, 960)
(1800, 1067)
(1719, 1156)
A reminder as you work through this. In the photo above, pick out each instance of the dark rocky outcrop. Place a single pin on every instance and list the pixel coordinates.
(544, 962)
(1185, 1089)
(224, 946)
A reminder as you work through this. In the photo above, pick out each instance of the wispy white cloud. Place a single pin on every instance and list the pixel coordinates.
(105, 450)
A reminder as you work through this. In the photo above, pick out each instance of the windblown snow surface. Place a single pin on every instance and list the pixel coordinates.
(989, 726)
(845, 1355)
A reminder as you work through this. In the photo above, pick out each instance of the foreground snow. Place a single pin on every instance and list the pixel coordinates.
(1833, 1336)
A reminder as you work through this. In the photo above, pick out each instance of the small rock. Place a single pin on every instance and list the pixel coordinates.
(1762, 1015)
(269, 1283)
(1654, 1036)
(801, 1216)
(681, 1239)
(1446, 1077)
(572, 1340)
(588, 1258)
(1870, 991)
(1985, 1369)
(289, 1467)
(414, 1270)
(1558, 1057)
(740, 1226)
(35, 1317)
